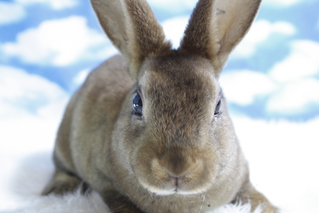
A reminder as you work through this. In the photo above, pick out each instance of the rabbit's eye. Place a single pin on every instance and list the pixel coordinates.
(137, 105)
(218, 108)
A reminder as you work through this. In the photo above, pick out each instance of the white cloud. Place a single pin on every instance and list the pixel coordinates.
(60, 42)
(30, 93)
(175, 6)
(302, 62)
(80, 78)
(260, 31)
(174, 29)
(291, 85)
(295, 97)
(10, 12)
(244, 86)
(30, 110)
(295, 77)
(282, 3)
(55, 4)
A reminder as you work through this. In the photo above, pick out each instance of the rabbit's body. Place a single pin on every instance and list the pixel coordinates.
(151, 133)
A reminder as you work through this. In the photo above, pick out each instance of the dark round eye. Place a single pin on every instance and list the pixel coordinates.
(137, 105)
(218, 108)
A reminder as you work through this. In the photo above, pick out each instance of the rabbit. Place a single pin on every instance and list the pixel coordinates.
(149, 129)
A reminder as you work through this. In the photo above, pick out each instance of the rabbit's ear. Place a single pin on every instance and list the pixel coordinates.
(133, 29)
(216, 27)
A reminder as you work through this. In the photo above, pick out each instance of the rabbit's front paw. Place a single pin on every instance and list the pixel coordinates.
(119, 203)
(249, 194)
(63, 183)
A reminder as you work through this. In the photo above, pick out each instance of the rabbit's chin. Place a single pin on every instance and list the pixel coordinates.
(171, 189)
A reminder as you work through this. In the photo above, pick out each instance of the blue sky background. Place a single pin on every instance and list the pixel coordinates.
(273, 74)
(47, 47)
(271, 82)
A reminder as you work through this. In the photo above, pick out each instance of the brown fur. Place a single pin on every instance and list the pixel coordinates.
(216, 33)
(179, 156)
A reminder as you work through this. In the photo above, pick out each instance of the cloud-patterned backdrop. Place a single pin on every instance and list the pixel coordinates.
(271, 81)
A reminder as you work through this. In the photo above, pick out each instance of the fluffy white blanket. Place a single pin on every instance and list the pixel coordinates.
(283, 160)
(30, 176)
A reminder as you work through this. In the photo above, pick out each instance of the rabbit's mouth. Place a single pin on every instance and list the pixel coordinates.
(163, 182)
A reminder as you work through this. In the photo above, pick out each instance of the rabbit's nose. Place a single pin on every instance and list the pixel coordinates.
(182, 177)
(176, 169)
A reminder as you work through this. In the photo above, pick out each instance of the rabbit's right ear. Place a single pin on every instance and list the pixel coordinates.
(132, 28)
(217, 26)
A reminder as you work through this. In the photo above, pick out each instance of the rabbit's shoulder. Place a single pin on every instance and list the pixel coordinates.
(107, 84)
(100, 98)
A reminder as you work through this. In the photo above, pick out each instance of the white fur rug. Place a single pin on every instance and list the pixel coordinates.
(283, 159)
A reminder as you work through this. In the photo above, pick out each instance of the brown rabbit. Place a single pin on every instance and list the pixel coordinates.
(150, 131)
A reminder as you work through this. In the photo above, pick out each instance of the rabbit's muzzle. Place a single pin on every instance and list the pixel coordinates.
(177, 172)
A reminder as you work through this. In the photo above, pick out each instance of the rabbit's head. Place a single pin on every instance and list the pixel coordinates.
(173, 133)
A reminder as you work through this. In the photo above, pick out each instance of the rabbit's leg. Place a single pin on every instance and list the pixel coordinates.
(63, 182)
(118, 203)
(249, 194)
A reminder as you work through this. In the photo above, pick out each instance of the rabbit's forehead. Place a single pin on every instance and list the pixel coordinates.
(180, 76)
(176, 83)
(179, 88)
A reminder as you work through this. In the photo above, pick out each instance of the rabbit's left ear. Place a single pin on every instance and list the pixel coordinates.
(217, 26)
(132, 27)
